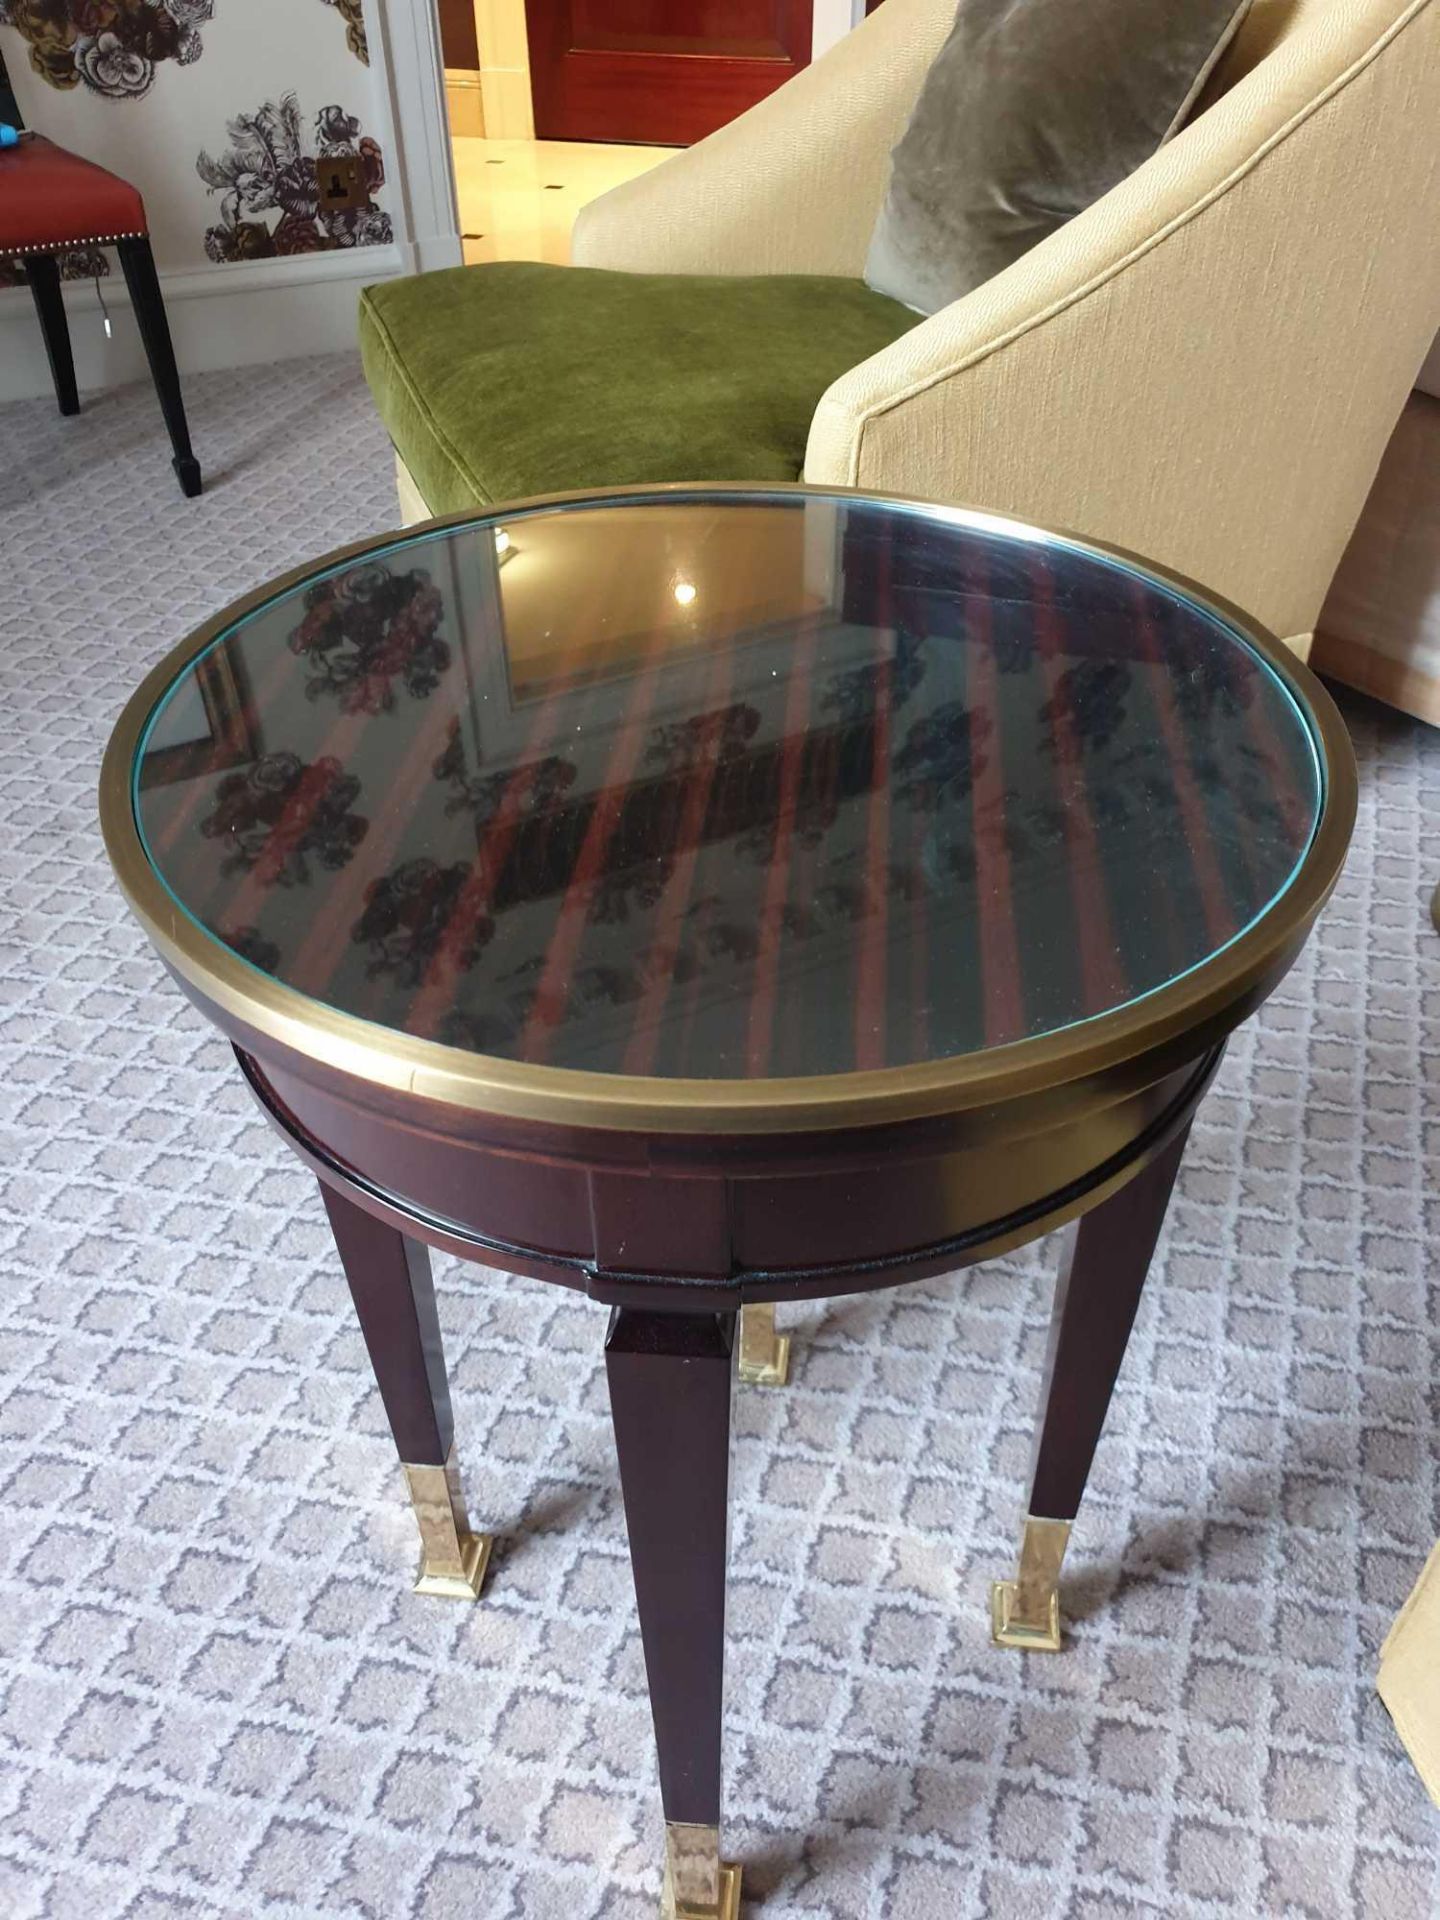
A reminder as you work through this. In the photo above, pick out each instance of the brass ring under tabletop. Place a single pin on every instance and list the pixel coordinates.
(1177, 1020)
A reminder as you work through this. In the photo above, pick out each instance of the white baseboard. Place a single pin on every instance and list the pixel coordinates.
(236, 315)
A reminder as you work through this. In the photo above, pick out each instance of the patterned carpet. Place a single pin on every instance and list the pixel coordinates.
(218, 1696)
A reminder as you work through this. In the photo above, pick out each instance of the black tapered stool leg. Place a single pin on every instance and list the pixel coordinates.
(1096, 1298)
(42, 270)
(141, 278)
(670, 1378)
(389, 1276)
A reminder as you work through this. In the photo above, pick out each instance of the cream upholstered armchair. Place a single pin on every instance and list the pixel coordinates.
(1205, 366)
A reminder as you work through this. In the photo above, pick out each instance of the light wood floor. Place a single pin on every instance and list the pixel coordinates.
(519, 198)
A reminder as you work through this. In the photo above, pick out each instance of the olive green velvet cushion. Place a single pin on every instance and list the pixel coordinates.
(501, 381)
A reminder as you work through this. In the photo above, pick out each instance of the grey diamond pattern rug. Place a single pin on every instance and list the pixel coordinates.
(218, 1696)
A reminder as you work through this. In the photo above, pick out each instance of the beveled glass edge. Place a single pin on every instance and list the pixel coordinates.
(574, 1096)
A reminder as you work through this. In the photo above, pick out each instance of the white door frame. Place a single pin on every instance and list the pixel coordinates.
(831, 20)
(404, 38)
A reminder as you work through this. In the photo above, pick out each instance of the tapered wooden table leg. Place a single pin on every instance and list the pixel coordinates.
(389, 1277)
(1096, 1299)
(670, 1380)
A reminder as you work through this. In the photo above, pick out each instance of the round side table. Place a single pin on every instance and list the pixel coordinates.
(709, 897)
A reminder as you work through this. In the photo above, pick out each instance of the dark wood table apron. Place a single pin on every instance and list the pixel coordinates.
(691, 1205)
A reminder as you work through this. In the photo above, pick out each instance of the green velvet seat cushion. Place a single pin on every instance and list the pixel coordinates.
(501, 381)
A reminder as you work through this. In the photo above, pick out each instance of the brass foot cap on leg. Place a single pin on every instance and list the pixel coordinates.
(465, 1585)
(728, 1908)
(773, 1371)
(1029, 1636)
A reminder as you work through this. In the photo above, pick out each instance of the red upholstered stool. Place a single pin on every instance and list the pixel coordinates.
(51, 200)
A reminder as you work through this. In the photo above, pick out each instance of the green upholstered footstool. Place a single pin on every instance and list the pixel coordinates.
(500, 381)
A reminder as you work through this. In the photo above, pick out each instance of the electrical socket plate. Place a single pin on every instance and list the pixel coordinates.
(340, 179)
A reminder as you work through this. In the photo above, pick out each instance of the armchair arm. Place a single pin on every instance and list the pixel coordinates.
(793, 185)
(1206, 364)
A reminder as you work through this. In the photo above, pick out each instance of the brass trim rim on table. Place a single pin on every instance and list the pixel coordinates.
(566, 1096)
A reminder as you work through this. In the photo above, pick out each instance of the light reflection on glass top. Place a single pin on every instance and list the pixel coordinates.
(728, 786)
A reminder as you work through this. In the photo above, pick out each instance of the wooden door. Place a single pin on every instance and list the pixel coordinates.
(459, 41)
(668, 71)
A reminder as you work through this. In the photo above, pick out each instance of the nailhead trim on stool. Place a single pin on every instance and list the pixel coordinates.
(82, 240)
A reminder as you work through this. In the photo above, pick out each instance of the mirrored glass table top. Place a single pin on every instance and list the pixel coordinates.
(728, 786)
